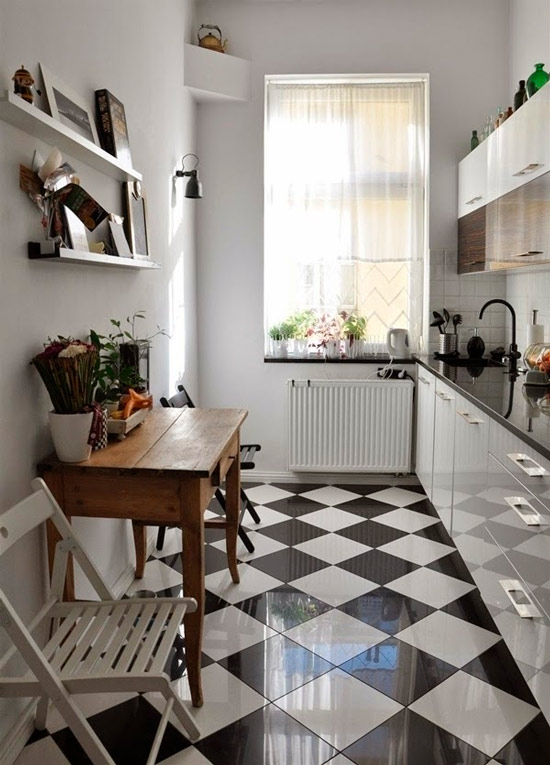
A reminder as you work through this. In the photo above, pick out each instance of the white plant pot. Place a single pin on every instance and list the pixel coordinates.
(354, 348)
(300, 347)
(279, 349)
(332, 349)
(70, 433)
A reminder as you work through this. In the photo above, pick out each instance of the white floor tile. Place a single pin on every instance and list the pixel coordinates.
(157, 576)
(397, 497)
(268, 517)
(339, 708)
(266, 493)
(262, 546)
(230, 630)
(417, 549)
(332, 548)
(333, 585)
(431, 587)
(540, 688)
(406, 520)
(446, 637)
(336, 636)
(331, 519)
(43, 752)
(189, 756)
(330, 495)
(483, 716)
(226, 699)
(90, 704)
(475, 550)
(253, 582)
(172, 544)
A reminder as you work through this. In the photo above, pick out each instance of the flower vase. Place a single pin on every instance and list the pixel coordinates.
(332, 349)
(70, 434)
(355, 347)
(279, 349)
(300, 347)
(536, 80)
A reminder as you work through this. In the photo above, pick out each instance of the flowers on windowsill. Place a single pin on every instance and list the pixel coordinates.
(334, 335)
(66, 366)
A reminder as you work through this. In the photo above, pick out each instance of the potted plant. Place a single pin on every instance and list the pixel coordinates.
(301, 322)
(354, 330)
(279, 336)
(66, 367)
(324, 335)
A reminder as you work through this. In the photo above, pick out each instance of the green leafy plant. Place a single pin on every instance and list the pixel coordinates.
(354, 326)
(281, 331)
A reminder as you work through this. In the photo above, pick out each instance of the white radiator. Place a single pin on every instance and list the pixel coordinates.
(350, 426)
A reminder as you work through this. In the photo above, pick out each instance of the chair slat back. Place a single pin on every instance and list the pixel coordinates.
(23, 518)
(179, 400)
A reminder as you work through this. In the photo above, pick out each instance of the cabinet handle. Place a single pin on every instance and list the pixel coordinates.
(517, 595)
(521, 459)
(473, 200)
(443, 396)
(531, 516)
(423, 380)
(530, 168)
(470, 418)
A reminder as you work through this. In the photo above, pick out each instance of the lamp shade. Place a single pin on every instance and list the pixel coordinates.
(193, 189)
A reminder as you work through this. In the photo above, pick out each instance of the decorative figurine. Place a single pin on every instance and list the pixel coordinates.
(23, 82)
(210, 40)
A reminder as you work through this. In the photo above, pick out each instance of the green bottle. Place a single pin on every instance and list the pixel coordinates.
(474, 141)
(537, 80)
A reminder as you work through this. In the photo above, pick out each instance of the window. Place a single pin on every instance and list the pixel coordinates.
(345, 204)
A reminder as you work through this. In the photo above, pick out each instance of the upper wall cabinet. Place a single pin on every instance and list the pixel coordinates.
(472, 180)
(213, 76)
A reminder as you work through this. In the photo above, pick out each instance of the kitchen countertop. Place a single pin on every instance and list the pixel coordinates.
(509, 402)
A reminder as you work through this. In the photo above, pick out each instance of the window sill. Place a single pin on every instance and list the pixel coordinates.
(374, 359)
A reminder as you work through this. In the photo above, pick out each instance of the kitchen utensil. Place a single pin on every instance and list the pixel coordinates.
(439, 324)
(397, 341)
(437, 315)
(447, 319)
(457, 319)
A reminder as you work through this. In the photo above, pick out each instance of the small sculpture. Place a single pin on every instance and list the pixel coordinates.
(211, 41)
(23, 82)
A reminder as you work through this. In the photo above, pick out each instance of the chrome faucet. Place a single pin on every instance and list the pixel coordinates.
(513, 353)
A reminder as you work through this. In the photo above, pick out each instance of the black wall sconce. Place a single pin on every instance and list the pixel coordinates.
(193, 189)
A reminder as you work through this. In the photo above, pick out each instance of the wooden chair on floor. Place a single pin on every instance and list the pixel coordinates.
(248, 451)
(104, 646)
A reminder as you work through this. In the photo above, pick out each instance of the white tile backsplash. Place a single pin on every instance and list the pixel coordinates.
(525, 292)
(465, 295)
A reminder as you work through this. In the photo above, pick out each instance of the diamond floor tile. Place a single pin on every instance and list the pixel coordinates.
(330, 495)
(397, 497)
(406, 520)
(417, 549)
(331, 518)
(333, 585)
(431, 587)
(332, 548)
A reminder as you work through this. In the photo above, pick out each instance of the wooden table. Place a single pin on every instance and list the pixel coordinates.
(165, 470)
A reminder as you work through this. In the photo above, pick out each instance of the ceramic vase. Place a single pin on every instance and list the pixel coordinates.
(70, 433)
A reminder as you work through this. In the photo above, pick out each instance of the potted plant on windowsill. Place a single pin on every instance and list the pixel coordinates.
(279, 335)
(324, 335)
(66, 367)
(301, 322)
(354, 330)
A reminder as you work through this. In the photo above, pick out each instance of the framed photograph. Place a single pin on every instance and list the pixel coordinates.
(120, 243)
(68, 107)
(136, 219)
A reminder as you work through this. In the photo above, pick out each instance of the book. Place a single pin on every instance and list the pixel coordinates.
(90, 212)
(112, 127)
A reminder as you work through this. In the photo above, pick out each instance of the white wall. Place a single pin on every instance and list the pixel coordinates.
(135, 49)
(460, 45)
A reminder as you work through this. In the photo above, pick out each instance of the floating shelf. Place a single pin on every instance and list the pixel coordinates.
(213, 76)
(37, 123)
(64, 255)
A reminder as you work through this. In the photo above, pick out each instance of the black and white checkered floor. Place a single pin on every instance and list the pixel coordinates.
(356, 635)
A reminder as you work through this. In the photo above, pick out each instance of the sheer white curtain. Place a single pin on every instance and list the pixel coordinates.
(345, 178)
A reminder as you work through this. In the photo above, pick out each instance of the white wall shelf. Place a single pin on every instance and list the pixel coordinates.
(40, 125)
(64, 255)
(213, 76)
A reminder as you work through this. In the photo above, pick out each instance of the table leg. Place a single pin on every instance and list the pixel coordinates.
(194, 496)
(232, 514)
(140, 544)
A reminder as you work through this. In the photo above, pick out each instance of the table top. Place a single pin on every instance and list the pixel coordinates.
(188, 441)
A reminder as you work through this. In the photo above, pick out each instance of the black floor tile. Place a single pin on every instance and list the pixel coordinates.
(292, 532)
(266, 737)
(452, 565)
(297, 488)
(399, 670)
(422, 506)
(283, 607)
(276, 666)
(437, 533)
(365, 507)
(530, 747)
(378, 566)
(37, 735)
(295, 506)
(363, 488)
(387, 610)
(212, 602)
(497, 667)
(289, 564)
(471, 608)
(372, 533)
(412, 740)
(127, 732)
(214, 559)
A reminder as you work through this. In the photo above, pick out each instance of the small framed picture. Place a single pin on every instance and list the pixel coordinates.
(136, 219)
(120, 243)
(68, 107)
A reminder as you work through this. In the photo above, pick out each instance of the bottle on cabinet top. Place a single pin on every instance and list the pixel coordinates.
(521, 96)
(474, 140)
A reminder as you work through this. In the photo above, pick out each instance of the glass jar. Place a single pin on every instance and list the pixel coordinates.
(537, 356)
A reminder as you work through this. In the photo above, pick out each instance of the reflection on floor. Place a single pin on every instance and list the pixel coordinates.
(356, 635)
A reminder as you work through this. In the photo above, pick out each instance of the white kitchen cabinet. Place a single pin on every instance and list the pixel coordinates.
(472, 180)
(443, 446)
(425, 411)
(471, 439)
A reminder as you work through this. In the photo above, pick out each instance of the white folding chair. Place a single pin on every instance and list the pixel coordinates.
(103, 646)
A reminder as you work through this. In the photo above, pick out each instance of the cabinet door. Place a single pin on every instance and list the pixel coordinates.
(472, 181)
(425, 410)
(470, 466)
(472, 241)
(442, 492)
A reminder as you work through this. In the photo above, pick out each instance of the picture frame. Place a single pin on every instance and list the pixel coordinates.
(118, 237)
(135, 219)
(68, 107)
